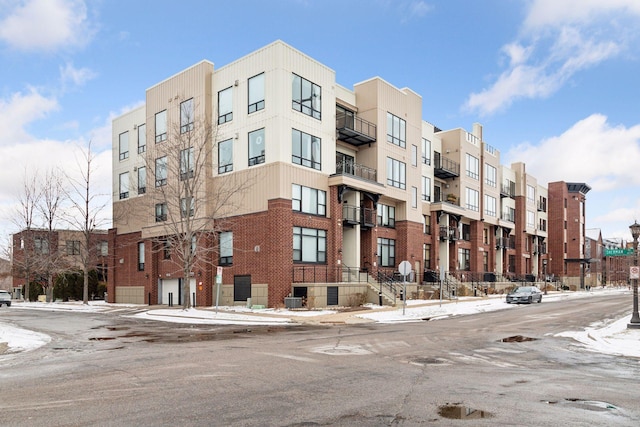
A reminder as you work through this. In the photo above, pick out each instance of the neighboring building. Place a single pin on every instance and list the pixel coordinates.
(567, 224)
(594, 251)
(5, 275)
(60, 246)
(346, 184)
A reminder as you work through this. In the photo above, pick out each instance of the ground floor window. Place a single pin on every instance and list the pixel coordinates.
(309, 245)
(386, 252)
(464, 257)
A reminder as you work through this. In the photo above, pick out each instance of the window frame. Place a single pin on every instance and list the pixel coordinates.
(473, 166)
(123, 146)
(303, 236)
(161, 212)
(426, 188)
(472, 199)
(142, 137)
(396, 130)
(301, 204)
(142, 176)
(123, 185)
(426, 151)
(386, 252)
(187, 163)
(161, 171)
(302, 144)
(258, 104)
(225, 248)
(396, 173)
(141, 256)
(226, 115)
(259, 135)
(72, 247)
(311, 107)
(187, 112)
(161, 126)
(227, 167)
(386, 216)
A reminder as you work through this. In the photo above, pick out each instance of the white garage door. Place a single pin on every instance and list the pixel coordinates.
(168, 286)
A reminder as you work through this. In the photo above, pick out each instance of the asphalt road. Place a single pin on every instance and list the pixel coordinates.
(501, 368)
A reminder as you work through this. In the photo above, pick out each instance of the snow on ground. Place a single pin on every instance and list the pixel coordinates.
(609, 336)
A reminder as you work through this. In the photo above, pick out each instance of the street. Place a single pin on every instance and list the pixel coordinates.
(501, 368)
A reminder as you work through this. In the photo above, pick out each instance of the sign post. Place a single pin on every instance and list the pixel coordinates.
(404, 268)
(218, 285)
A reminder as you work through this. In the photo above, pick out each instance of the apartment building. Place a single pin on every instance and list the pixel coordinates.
(336, 187)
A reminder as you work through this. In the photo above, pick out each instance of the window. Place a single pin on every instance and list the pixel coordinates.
(426, 255)
(426, 151)
(142, 180)
(414, 197)
(161, 171)
(161, 212)
(225, 156)
(305, 149)
(256, 93)
(166, 249)
(509, 214)
(466, 232)
(386, 215)
(531, 194)
(73, 247)
(426, 188)
(226, 248)
(485, 236)
(309, 245)
(472, 199)
(123, 145)
(140, 256)
(531, 219)
(186, 116)
(123, 180)
(426, 223)
(464, 257)
(102, 248)
(225, 105)
(309, 200)
(489, 205)
(187, 206)
(386, 252)
(414, 155)
(491, 175)
(161, 126)
(41, 245)
(396, 130)
(142, 138)
(473, 167)
(186, 163)
(396, 173)
(256, 147)
(306, 97)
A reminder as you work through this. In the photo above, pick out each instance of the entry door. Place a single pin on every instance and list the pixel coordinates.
(332, 295)
(241, 288)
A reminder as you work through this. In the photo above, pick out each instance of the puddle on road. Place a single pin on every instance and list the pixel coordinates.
(457, 411)
(518, 338)
(428, 361)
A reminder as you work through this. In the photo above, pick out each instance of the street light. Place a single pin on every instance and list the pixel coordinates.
(635, 318)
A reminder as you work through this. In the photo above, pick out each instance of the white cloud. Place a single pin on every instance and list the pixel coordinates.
(20, 110)
(45, 25)
(75, 76)
(592, 150)
(559, 39)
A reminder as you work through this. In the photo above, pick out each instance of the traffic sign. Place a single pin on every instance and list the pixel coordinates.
(634, 272)
(618, 252)
(404, 268)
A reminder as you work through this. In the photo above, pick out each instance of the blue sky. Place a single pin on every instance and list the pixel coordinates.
(554, 82)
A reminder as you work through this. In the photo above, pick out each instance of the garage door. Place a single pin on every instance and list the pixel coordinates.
(170, 287)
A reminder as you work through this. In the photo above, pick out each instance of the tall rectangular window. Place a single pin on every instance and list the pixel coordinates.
(161, 212)
(226, 248)
(426, 256)
(256, 93)
(490, 175)
(386, 252)
(161, 171)
(225, 156)
(426, 151)
(73, 247)
(186, 115)
(531, 219)
(414, 197)
(187, 161)
(187, 206)
(256, 147)
(396, 173)
(531, 193)
(140, 256)
(142, 138)
(306, 97)
(473, 167)
(225, 105)
(41, 245)
(386, 216)
(464, 258)
(426, 188)
(123, 180)
(490, 205)
(161, 126)
(305, 149)
(414, 155)
(142, 180)
(308, 200)
(123, 145)
(309, 245)
(472, 199)
(396, 130)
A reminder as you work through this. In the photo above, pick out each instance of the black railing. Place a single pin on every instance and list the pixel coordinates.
(355, 130)
(355, 169)
(327, 274)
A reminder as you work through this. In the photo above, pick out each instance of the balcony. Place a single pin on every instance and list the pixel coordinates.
(350, 215)
(448, 233)
(508, 189)
(355, 130)
(347, 167)
(445, 168)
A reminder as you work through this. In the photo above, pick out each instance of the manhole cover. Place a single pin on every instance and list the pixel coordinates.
(461, 412)
(518, 338)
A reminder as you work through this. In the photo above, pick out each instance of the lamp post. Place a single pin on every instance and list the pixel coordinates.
(635, 318)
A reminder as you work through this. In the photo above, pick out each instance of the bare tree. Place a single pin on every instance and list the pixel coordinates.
(191, 206)
(26, 215)
(53, 261)
(87, 207)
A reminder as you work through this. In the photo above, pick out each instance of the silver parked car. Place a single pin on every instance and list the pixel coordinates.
(5, 298)
(526, 294)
